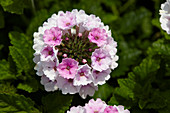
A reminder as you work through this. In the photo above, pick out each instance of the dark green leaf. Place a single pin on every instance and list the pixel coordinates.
(103, 92)
(56, 102)
(37, 21)
(16, 103)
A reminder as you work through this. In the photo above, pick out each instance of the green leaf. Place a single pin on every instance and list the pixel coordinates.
(156, 23)
(165, 95)
(1, 46)
(21, 61)
(108, 18)
(37, 21)
(6, 2)
(128, 56)
(14, 6)
(137, 87)
(131, 20)
(104, 92)
(16, 103)
(7, 89)
(160, 47)
(21, 51)
(56, 102)
(30, 85)
(5, 71)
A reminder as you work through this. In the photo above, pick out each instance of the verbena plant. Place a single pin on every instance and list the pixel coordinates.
(140, 82)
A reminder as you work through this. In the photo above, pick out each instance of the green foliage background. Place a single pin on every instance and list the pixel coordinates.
(141, 82)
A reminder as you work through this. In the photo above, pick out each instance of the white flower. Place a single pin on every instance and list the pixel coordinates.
(48, 85)
(66, 85)
(165, 16)
(78, 109)
(83, 76)
(87, 90)
(99, 78)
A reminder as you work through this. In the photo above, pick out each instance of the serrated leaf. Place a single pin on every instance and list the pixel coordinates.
(56, 102)
(14, 6)
(30, 85)
(160, 47)
(20, 59)
(138, 84)
(16, 103)
(7, 89)
(146, 68)
(104, 91)
(21, 51)
(5, 71)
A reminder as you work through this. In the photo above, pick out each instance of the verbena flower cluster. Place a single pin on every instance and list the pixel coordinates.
(74, 52)
(98, 106)
(165, 16)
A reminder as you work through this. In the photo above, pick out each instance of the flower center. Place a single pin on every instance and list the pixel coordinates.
(67, 24)
(96, 37)
(50, 52)
(54, 38)
(98, 59)
(82, 74)
(76, 46)
(68, 67)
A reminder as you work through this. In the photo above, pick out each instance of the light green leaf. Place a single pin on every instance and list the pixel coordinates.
(6, 2)
(21, 51)
(30, 85)
(14, 6)
(5, 71)
(20, 59)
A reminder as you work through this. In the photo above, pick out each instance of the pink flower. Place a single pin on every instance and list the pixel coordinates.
(67, 20)
(92, 22)
(48, 85)
(78, 109)
(47, 53)
(111, 109)
(120, 108)
(87, 90)
(50, 69)
(52, 36)
(68, 68)
(97, 106)
(66, 85)
(101, 59)
(98, 36)
(100, 77)
(83, 76)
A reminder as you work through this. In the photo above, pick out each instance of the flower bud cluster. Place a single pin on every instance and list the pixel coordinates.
(74, 52)
(98, 106)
